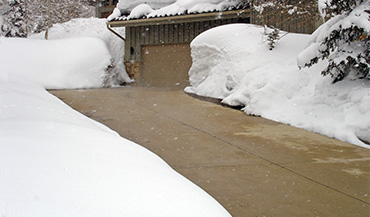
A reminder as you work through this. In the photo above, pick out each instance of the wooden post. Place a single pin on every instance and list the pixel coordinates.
(48, 21)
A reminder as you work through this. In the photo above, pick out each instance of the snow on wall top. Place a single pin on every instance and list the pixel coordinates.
(127, 9)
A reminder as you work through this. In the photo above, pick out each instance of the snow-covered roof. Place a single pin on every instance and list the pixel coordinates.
(138, 10)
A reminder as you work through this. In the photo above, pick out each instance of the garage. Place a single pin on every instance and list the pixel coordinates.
(166, 65)
(157, 49)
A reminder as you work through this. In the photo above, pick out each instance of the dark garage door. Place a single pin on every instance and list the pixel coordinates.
(166, 65)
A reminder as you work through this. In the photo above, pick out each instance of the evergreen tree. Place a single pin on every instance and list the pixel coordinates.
(13, 24)
(344, 40)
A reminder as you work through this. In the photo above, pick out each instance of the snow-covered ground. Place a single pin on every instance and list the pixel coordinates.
(234, 63)
(56, 162)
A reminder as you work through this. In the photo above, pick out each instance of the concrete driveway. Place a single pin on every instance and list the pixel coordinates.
(252, 166)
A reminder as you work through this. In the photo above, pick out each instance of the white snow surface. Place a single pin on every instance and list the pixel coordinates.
(56, 64)
(233, 63)
(92, 27)
(131, 4)
(56, 162)
(140, 11)
(170, 8)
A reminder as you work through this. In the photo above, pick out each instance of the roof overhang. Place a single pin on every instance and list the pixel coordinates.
(188, 18)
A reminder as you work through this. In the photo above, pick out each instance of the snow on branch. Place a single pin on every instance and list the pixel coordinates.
(344, 40)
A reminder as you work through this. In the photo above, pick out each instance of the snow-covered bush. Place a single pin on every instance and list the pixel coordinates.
(344, 40)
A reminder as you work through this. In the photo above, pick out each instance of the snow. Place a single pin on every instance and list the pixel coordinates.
(94, 27)
(140, 11)
(233, 63)
(131, 4)
(56, 162)
(358, 17)
(56, 64)
(170, 8)
(116, 13)
(322, 6)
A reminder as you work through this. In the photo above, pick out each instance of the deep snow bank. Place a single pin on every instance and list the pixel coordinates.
(56, 162)
(234, 64)
(94, 27)
(54, 64)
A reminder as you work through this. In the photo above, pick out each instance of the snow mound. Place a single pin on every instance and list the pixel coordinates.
(234, 63)
(94, 27)
(57, 64)
(57, 162)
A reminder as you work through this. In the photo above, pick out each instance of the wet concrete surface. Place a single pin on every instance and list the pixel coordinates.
(252, 166)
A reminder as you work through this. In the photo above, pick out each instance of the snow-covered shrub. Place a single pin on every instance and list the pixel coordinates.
(344, 40)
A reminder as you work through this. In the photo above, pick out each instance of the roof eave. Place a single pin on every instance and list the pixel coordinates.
(188, 18)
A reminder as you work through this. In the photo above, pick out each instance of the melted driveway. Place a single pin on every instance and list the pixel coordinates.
(252, 166)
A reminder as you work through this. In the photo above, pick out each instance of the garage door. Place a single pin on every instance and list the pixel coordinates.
(166, 65)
